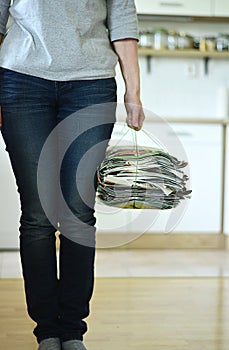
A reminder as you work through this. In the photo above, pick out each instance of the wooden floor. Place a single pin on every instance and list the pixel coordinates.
(135, 314)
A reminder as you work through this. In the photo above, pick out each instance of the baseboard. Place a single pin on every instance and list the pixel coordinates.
(163, 241)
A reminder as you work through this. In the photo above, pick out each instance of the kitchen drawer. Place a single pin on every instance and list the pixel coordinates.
(9, 203)
(175, 7)
(221, 8)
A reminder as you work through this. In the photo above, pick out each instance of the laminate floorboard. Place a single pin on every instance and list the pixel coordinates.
(142, 263)
(135, 314)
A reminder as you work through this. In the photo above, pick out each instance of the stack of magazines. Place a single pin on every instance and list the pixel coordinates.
(148, 178)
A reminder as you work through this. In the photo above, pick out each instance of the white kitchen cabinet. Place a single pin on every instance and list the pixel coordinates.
(9, 203)
(201, 213)
(226, 207)
(175, 7)
(221, 8)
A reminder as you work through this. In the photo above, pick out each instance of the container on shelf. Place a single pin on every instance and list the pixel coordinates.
(222, 42)
(146, 39)
(196, 42)
(210, 42)
(172, 40)
(202, 45)
(160, 39)
(185, 41)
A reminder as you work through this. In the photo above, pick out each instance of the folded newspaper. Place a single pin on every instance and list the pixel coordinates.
(147, 179)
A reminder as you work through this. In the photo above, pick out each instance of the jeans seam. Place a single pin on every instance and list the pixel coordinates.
(56, 91)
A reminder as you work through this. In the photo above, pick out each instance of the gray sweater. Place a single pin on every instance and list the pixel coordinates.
(65, 39)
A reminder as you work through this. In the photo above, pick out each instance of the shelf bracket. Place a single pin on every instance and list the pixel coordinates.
(148, 64)
(206, 67)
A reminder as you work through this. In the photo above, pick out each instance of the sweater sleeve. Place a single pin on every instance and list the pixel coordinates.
(4, 14)
(122, 19)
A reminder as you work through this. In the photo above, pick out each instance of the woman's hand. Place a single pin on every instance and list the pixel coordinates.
(135, 113)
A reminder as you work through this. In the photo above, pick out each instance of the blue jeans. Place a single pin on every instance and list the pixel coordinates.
(32, 108)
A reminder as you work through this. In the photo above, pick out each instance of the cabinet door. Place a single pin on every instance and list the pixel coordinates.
(175, 7)
(221, 8)
(9, 203)
(201, 213)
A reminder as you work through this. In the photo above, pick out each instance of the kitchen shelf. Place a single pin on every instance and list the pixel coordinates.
(188, 53)
(182, 19)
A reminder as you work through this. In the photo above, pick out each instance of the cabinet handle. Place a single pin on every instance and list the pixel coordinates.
(172, 4)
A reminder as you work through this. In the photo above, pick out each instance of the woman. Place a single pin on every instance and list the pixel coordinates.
(57, 61)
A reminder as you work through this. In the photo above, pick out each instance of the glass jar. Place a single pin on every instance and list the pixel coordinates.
(185, 41)
(196, 42)
(172, 40)
(146, 39)
(210, 43)
(202, 45)
(160, 39)
(222, 42)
